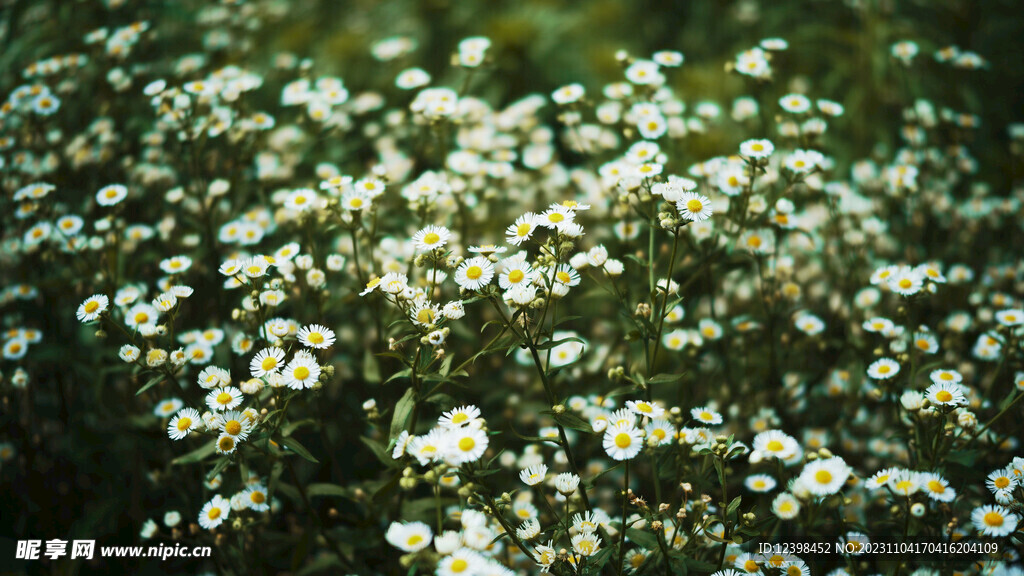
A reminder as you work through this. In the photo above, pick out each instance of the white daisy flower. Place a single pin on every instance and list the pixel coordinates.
(215, 512)
(760, 483)
(301, 372)
(316, 336)
(522, 229)
(185, 421)
(474, 273)
(111, 195)
(533, 475)
(706, 416)
(255, 498)
(92, 307)
(623, 442)
(883, 369)
(994, 521)
(459, 417)
(409, 536)
(644, 408)
(826, 476)
(757, 149)
(225, 398)
(431, 237)
(945, 394)
(694, 207)
(466, 444)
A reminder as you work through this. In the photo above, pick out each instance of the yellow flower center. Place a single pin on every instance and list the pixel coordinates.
(459, 565)
(414, 540)
(315, 337)
(774, 446)
(460, 418)
(224, 398)
(431, 238)
(91, 307)
(474, 272)
(300, 200)
(563, 277)
(822, 476)
(226, 443)
(1001, 482)
(750, 566)
(111, 193)
(233, 427)
(884, 369)
(754, 241)
(658, 433)
(425, 316)
(213, 514)
(258, 497)
(694, 205)
(466, 444)
(301, 373)
(141, 318)
(946, 376)
(184, 423)
(523, 229)
(269, 363)
(943, 396)
(356, 202)
(516, 276)
(556, 217)
(936, 486)
(637, 560)
(905, 283)
(993, 519)
(623, 440)
(586, 547)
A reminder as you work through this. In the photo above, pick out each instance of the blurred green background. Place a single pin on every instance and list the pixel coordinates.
(84, 470)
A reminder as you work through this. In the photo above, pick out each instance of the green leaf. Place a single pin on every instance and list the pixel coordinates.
(152, 382)
(371, 370)
(294, 445)
(733, 505)
(565, 319)
(600, 559)
(404, 373)
(221, 465)
(403, 412)
(446, 365)
(643, 538)
(665, 378)
(592, 481)
(325, 489)
(322, 563)
(196, 455)
(570, 420)
(380, 452)
(965, 458)
(553, 343)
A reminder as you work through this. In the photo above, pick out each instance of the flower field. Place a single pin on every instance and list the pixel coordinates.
(451, 288)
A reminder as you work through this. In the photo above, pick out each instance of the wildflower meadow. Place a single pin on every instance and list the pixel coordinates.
(719, 287)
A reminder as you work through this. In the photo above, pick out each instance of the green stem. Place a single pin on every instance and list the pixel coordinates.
(622, 532)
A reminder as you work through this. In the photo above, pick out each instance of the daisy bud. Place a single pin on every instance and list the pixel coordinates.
(558, 409)
(917, 510)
